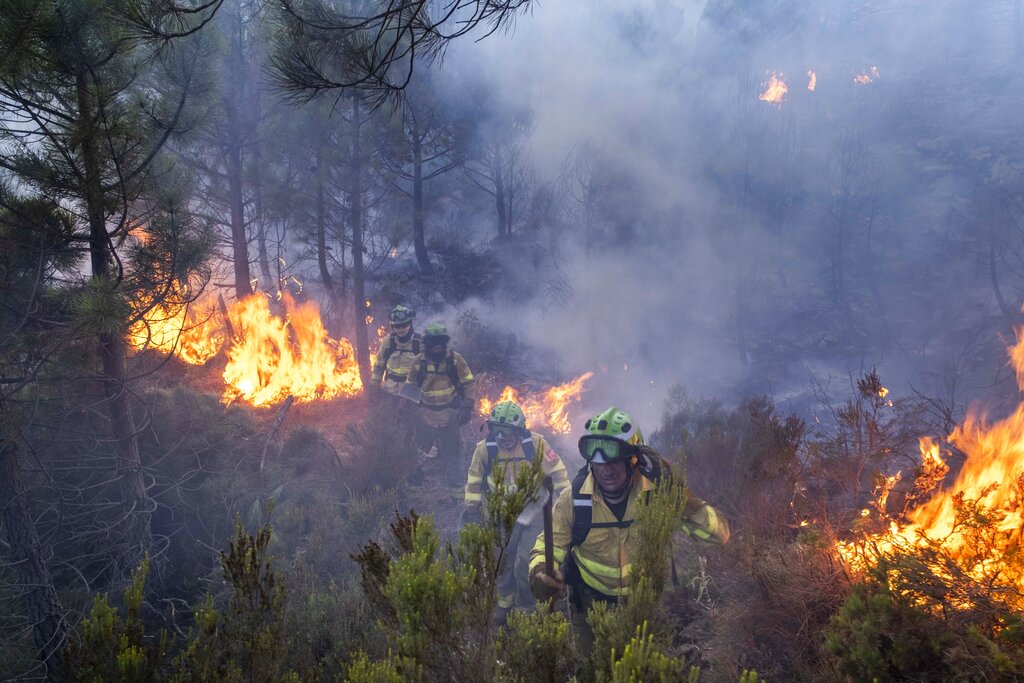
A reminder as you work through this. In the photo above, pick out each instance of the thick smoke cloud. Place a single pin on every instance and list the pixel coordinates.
(742, 246)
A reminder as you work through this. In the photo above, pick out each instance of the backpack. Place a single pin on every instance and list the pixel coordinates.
(452, 371)
(583, 504)
(389, 349)
(529, 450)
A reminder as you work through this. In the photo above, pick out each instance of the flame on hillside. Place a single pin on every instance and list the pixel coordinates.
(988, 487)
(865, 77)
(272, 357)
(192, 332)
(775, 89)
(547, 411)
(812, 80)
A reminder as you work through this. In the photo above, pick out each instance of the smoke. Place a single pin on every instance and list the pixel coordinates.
(734, 246)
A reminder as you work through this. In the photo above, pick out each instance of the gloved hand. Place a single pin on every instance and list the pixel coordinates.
(545, 587)
(465, 415)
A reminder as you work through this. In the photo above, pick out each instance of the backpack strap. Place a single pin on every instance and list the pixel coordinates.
(416, 343)
(582, 509)
(453, 372)
(529, 451)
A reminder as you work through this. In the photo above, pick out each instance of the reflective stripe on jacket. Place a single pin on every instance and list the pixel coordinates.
(396, 369)
(604, 557)
(513, 461)
(438, 394)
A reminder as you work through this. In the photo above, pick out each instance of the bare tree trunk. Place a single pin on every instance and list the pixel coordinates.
(135, 502)
(42, 603)
(499, 197)
(418, 236)
(239, 242)
(321, 225)
(358, 272)
(261, 223)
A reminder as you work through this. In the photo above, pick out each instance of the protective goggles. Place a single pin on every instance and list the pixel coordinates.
(504, 431)
(603, 449)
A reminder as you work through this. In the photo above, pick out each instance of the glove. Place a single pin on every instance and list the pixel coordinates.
(465, 415)
(545, 587)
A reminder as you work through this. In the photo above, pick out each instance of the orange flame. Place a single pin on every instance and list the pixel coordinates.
(192, 332)
(775, 89)
(550, 411)
(865, 77)
(990, 482)
(273, 358)
(812, 80)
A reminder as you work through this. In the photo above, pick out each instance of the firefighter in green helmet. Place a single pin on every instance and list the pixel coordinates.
(509, 447)
(443, 389)
(591, 536)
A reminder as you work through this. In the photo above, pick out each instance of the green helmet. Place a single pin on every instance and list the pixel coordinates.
(611, 435)
(507, 413)
(435, 333)
(401, 315)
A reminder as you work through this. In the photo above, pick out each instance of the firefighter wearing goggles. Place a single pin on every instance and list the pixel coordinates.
(591, 535)
(509, 447)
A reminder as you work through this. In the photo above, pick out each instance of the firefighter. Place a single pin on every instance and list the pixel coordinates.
(511, 446)
(396, 352)
(442, 385)
(591, 538)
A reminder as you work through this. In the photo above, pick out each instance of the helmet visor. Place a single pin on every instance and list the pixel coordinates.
(602, 449)
(506, 431)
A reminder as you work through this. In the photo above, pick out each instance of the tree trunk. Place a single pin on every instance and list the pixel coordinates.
(137, 507)
(418, 236)
(499, 197)
(358, 272)
(239, 243)
(42, 604)
(261, 223)
(321, 225)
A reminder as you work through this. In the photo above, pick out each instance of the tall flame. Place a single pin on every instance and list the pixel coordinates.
(990, 484)
(272, 357)
(549, 411)
(775, 89)
(192, 332)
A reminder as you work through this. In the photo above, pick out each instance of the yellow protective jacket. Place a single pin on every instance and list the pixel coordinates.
(399, 355)
(440, 397)
(481, 480)
(603, 559)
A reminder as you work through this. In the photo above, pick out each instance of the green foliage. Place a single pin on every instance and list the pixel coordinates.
(642, 662)
(362, 670)
(616, 627)
(436, 600)
(918, 616)
(882, 636)
(114, 647)
(535, 646)
(248, 639)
